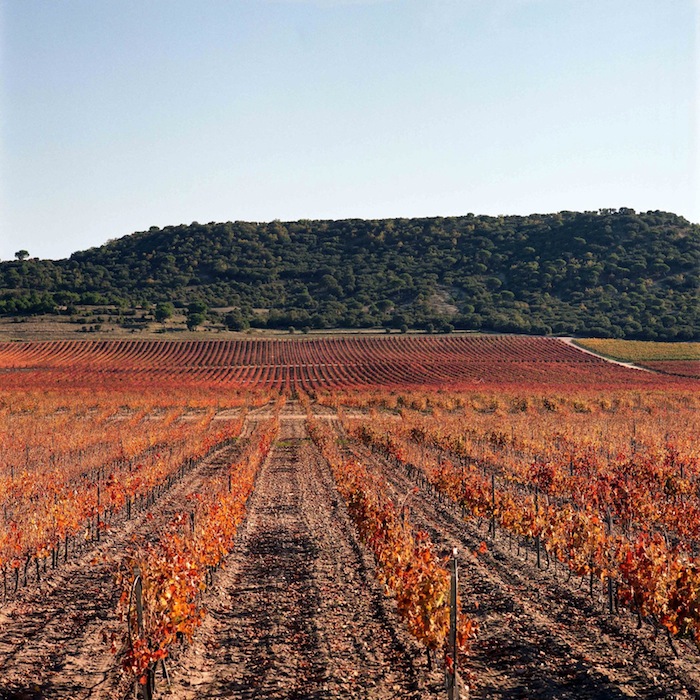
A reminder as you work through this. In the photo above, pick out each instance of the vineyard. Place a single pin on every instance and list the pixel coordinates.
(311, 365)
(679, 359)
(413, 517)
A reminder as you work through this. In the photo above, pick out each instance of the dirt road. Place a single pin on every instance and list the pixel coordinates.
(298, 612)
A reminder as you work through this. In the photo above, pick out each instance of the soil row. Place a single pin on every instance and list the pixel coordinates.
(297, 611)
(541, 635)
(55, 636)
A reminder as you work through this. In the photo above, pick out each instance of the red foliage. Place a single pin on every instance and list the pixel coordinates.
(314, 364)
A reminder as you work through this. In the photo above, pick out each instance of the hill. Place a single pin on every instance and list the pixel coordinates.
(612, 273)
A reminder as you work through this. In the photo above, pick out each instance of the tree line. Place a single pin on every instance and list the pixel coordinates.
(611, 273)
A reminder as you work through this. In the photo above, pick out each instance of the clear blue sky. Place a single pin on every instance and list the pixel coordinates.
(118, 115)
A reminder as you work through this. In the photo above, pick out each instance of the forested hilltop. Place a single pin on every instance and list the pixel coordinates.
(613, 273)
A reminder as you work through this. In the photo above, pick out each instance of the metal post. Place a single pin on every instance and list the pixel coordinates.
(147, 689)
(611, 601)
(138, 595)
(493, 505)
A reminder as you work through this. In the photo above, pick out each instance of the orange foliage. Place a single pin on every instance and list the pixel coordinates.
(613, 494)
(175, 570)
(408, 564)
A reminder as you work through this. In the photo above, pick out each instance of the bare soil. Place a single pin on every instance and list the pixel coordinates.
(54, 635)
(297, 612)
(52, 327)
(541, 635)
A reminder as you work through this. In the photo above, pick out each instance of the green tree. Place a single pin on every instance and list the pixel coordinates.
(236, 321)
(194, 320)
(197, 307)
(164, 311)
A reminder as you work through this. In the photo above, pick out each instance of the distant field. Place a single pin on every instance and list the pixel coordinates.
(312, 364)
(677, 359)
(641, 350)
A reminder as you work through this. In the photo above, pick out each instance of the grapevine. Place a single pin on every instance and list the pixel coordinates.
(408, 565)
(173, 572)
(618, 522)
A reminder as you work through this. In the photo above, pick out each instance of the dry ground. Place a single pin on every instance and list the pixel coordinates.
(541, 634)
(297, 612)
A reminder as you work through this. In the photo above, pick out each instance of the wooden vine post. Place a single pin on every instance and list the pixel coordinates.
(492, 529)
(537, 536)
(146, 689)
(611, 597)
(452, 682)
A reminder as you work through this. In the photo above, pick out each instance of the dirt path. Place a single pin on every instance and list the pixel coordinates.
(539, 636)
(298, 612)
(630, 365)
(54, 636)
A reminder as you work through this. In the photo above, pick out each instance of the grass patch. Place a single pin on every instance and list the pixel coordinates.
(290, 442)
(641, 350)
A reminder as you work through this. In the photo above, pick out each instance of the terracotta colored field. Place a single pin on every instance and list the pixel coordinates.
(680, 368)
(300, 546)
(313, 364)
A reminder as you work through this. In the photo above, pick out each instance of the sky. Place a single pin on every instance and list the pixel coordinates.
(119, 115)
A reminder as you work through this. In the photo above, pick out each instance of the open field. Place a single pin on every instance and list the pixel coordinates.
(282, 515)
(92, 323)
(313, 364)
(642, 350)
(679, 359)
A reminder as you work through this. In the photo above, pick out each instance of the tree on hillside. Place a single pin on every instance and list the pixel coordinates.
(164, 311)
(197, 307)
(196, 314)
(612, 272)
(236, 321)
(194, 320)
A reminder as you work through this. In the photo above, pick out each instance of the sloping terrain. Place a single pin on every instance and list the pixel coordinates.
(315, 364)
(611, 274)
